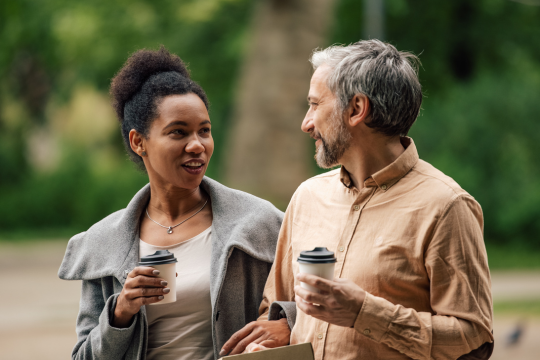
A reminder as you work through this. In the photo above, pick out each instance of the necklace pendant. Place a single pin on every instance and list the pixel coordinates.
(170, 230)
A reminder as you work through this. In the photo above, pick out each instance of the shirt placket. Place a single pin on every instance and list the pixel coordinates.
(355, 211)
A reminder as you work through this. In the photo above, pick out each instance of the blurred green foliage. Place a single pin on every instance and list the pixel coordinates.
(48, 48)
(479, 123)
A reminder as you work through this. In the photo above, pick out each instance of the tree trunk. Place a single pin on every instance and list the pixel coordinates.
(268, 154)
(374, 19)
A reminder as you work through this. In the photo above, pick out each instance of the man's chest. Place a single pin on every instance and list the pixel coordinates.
(379, 245)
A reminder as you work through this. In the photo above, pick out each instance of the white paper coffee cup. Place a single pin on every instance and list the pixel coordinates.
(319, 262)
(165, 262)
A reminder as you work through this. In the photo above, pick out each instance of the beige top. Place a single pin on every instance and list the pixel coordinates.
(183, 330)
(413, 239)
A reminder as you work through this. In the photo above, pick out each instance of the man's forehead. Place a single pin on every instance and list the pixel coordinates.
(318, 85)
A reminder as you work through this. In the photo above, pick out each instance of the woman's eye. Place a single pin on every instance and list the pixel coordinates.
(205, 130)
(177, 132)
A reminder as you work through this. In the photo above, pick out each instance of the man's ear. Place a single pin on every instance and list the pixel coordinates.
(359, 109)
(136, 142)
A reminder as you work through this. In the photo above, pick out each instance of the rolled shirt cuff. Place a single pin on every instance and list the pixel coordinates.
(374, 317)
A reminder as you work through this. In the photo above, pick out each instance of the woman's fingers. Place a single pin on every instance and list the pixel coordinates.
(135, 293)
(143, 270)
(146, 281)
(242, 344)
(149, 300)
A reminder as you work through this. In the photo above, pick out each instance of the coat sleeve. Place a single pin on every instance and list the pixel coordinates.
(96, 338)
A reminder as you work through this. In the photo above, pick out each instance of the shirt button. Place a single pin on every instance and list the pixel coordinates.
(356, 207)
(341, 248)
(367, 332)
(319, 336)
(383, 187)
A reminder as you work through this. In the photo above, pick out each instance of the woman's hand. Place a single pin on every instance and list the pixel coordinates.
(142, 287)
(268, 334)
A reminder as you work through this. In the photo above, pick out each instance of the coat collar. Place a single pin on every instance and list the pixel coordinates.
(111, 246)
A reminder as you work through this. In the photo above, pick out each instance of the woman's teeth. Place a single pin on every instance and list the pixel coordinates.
(193, 164)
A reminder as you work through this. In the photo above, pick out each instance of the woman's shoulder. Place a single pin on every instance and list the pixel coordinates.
(241, 203)
(101, 250)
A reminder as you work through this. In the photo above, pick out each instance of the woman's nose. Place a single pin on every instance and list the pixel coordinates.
(194, 146)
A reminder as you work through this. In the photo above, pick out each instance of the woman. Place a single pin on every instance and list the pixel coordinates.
(224, 239)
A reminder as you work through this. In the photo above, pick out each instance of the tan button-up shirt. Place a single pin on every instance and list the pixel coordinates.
(412, 238)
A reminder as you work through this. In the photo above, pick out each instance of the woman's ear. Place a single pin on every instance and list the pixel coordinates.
(359, 109)
(137, 143)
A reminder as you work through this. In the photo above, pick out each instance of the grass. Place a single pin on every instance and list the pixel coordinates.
(31, 235)
(513, 257)
(517, 307)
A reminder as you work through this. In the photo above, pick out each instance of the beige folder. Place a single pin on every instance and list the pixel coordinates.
(292, 352)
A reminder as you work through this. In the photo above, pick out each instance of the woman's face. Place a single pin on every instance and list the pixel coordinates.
(179, 144)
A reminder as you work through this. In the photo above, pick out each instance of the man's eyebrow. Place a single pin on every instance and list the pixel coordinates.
(310, 98)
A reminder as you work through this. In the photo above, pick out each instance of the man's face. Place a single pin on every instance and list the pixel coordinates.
(324, 121)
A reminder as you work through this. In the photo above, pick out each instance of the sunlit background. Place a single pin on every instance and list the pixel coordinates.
(63, 167)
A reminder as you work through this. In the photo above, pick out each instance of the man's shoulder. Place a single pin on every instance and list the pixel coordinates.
(436, 184)
(321, 181)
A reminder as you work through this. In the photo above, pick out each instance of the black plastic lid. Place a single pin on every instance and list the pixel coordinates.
(319, 255)
(160, 257)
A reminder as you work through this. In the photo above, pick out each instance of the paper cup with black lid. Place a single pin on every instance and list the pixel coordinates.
(165, 262)
(319, 262)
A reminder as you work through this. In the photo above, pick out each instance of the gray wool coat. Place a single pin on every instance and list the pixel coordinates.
(244, 237)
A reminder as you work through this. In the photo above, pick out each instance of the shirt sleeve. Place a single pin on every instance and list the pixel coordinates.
(460, 288)
(280, 283)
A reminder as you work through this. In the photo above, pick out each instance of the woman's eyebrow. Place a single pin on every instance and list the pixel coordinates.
(174, 123)
(183, 123)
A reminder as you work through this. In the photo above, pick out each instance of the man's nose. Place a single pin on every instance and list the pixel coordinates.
(307, 123)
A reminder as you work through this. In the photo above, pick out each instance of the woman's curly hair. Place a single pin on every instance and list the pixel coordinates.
(138, 88)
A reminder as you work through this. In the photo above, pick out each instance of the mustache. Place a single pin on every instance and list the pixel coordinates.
(315, 135)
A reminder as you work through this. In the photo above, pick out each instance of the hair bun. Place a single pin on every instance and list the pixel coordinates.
(141, 65)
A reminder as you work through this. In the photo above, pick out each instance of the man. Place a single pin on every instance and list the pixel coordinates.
(411, 278)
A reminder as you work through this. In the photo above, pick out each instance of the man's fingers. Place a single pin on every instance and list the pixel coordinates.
(318, 282)
(268, 344)
(309, 309)
(309, 296)
(254, 347)
(237, 336)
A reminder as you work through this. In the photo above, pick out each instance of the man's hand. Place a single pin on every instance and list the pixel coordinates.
(339, 301)
(269, 334)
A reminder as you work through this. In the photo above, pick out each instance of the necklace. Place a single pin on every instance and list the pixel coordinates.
(169, 231)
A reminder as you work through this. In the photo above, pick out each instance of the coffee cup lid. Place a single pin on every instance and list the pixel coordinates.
(319, 255)
(160, 257)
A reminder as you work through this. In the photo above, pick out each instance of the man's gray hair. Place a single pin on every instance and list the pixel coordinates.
(387, 77)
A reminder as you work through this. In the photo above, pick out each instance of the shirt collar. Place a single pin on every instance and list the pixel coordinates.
(391, 174)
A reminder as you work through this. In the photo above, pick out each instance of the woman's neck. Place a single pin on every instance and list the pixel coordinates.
(170, 203)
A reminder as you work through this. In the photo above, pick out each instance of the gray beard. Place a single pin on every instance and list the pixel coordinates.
(335, 143)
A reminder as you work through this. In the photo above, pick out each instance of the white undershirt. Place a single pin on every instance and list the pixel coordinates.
(183, 329)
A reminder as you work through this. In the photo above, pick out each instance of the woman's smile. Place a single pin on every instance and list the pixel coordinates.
(194, 166)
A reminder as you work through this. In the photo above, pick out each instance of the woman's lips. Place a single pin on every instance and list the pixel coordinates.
(193, 168)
